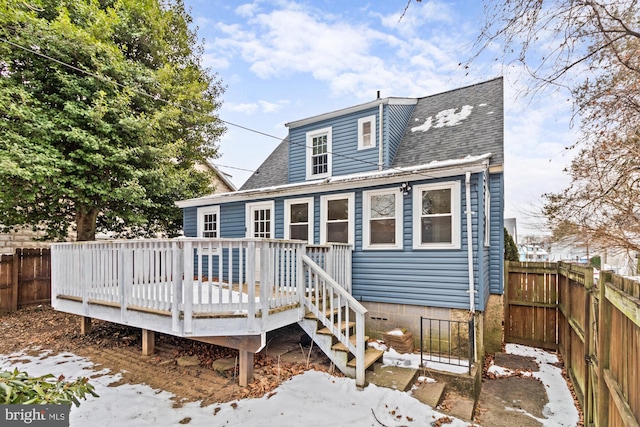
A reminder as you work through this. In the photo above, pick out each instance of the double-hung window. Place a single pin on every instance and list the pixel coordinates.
(382, 219)
(337, 218)
(436, 216)
(208, 222)
(298, 219)
(319, 153)
(366, 132)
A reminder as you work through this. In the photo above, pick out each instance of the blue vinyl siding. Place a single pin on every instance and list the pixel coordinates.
(232, 220)
(395, 121)
(435, 278)
(346, 158)
(496, 187)
(483, 252)
(190, 221)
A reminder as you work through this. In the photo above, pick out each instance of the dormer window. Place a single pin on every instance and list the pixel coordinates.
(366, 132)
(319, 153)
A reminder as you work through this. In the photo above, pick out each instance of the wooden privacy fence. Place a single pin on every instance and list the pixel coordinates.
(596, 328)
(25, 278)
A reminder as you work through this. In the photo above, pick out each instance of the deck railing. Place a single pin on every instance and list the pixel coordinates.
(191, 277)
(181, 277)
(335, 307)
(335, 259)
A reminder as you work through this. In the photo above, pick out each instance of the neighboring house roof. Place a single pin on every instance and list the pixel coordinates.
(223, 176)
(465, 121)
(273, 171)
(221, 182)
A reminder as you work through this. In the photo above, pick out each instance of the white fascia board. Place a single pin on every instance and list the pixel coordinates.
(431, 170)
(349, 110)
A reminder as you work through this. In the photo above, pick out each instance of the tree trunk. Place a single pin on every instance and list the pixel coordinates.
(86, 223)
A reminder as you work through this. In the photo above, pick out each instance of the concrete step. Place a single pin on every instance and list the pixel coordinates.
(430, 393)
(393, 377)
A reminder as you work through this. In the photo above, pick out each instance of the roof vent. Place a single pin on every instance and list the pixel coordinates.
(378, 96)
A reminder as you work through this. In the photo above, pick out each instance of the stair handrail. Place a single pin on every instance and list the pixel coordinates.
(351, 304)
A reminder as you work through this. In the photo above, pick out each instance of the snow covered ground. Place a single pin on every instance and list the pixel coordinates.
(311, 399)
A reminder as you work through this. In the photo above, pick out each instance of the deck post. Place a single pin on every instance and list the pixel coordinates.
(246, 367)
(85, 325)
(148, 342)
(188, 255)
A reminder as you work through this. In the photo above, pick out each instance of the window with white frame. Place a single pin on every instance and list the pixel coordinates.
(298, 219)
(436, 216)
(487, 213)
(337, 218)
(319, 153)
(208, 222)
(260, 219)
(366, 132)
(382, 219)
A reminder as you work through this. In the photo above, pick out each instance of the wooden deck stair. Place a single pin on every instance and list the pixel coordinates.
(337, 352)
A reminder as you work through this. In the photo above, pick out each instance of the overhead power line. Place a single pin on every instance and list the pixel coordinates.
(168, 102)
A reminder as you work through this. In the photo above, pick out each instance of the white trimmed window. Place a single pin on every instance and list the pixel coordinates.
(208, 222)
(259, 219)
(382, 219)
(298, 219)
(436, 216)
(319, 153)
(366, 132)
(337, 218)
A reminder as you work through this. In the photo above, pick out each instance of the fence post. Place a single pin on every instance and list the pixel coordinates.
(604, 348)
(15, 273)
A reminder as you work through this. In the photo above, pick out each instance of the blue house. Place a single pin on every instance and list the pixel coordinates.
(362, 220)
(414, 186)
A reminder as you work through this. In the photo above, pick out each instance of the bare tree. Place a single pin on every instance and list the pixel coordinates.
(591, 49)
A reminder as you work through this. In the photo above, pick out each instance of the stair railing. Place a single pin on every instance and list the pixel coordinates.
(324, 297)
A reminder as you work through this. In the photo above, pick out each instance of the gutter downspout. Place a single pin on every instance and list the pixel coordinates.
(380, 149)
(472, 294)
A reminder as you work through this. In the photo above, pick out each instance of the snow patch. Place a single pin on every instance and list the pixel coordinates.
(449, 117)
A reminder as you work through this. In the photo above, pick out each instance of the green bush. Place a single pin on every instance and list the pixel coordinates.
(18, 387)
(510, 248)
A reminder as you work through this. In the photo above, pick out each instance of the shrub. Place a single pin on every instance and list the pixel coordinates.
(18, 387)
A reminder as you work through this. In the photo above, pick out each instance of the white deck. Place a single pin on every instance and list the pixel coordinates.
(208, 288)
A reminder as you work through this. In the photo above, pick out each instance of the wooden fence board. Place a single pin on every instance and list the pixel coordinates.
(598, 333)
(530, 304)
(25, 278)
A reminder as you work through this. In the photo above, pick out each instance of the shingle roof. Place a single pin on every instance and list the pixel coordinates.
(446, 126)
(273, 171)
(454, 124)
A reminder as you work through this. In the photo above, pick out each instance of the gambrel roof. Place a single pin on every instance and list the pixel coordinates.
(468, 121)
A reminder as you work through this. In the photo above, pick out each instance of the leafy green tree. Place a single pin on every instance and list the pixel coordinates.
(17, 387)
(104, 109)
(510, 248)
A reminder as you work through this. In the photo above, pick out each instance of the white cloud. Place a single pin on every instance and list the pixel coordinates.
(417, 16)
(271, 107)
(247, 108)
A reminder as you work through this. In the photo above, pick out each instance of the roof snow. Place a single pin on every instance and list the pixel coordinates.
(448, 117)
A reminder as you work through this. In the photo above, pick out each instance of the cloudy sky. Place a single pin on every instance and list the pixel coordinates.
(285, 60)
